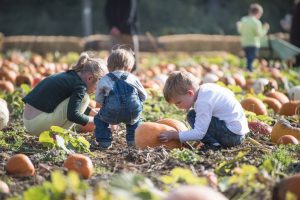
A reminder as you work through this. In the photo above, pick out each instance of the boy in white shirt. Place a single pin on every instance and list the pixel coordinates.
(217, 119)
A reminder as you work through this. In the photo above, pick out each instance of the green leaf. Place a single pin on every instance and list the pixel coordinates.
(73, 181)
(46, 139)
(58, 129)
(83, 141)
(36, 193)
(58, 181)
(25, 88)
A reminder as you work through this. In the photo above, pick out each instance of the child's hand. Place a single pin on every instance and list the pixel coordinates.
(167, 136)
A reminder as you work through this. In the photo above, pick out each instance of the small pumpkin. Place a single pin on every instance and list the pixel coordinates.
(146, 135)
(290, 184)
(87, 128)
(20, 165)
(287, 139)
(4, 189)
(81, 164)
(282, 98)
(24, 79)
(7, 86)
(290, 108)
(178, 125)
(240, 80)
(284, 127)
(272, 103)
(255, 105)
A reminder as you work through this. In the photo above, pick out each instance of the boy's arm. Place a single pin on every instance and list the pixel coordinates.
(203, 118)
(100, 91)
(261, 30)
(141, 90)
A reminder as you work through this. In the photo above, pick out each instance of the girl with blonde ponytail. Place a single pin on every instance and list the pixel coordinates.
(62, 99)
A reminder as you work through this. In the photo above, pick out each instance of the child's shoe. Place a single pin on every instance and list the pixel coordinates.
(105, 145)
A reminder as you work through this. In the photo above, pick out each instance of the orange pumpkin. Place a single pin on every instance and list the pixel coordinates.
(178, 125)
(87, 128)
(287, 139)
(290, 108)
(7, 86)
(240, 80)
(283, 127)
(81, 164)
(4, 189)
(272, 103)
(24, 79)
(290, 184)
(282, 98)
(20, 165)
(146, 135)
(254, 105)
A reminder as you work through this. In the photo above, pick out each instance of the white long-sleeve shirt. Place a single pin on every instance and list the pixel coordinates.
(216, 101)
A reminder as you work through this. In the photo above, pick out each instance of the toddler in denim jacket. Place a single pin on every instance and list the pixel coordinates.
(120, 95)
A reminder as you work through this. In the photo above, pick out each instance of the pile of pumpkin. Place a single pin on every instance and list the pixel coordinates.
(17, 70)
(20, 165)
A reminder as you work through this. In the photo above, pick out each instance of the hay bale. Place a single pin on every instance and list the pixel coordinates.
(43, 44)
(198, 42)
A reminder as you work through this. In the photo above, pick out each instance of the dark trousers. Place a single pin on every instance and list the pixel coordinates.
(217, 132)
(251, 53)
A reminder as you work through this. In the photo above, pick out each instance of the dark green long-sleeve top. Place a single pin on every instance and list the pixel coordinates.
(51, 91)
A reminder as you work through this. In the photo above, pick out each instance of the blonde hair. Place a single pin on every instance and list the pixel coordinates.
(88, 63)
(255, 8)
(120, 58)
(178, 83)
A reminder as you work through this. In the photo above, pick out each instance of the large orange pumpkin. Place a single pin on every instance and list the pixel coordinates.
(283, 127)
(80, 164)
(272, 103)
(178, 125)
(287, 139)
(20, 165)
(290, 184)
(290, 108)
(146, 135)
(254, 105)
(282, 98)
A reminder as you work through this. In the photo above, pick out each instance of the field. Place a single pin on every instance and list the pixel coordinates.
(252, 170)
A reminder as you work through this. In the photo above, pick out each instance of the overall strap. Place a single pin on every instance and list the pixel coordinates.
(124, 76)
(112, 76)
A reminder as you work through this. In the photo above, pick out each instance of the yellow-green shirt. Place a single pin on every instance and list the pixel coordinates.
(251, 30)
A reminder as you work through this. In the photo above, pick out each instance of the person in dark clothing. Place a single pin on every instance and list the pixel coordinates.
(295, 30)
(122, 20)
(62, 99)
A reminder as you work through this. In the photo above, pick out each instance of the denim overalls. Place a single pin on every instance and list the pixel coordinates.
(121, 105)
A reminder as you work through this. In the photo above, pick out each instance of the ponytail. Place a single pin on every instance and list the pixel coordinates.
(81, 62)
(87, 63)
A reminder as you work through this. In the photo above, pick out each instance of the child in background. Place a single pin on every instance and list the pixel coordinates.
(120, 95)
(62, 99)
(252, 30)
(218, 119)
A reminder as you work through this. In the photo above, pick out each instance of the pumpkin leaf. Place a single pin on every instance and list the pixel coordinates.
(46, 139)
(58, 129)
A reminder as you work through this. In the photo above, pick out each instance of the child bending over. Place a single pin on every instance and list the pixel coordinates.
(120, 94)
(217, 120)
